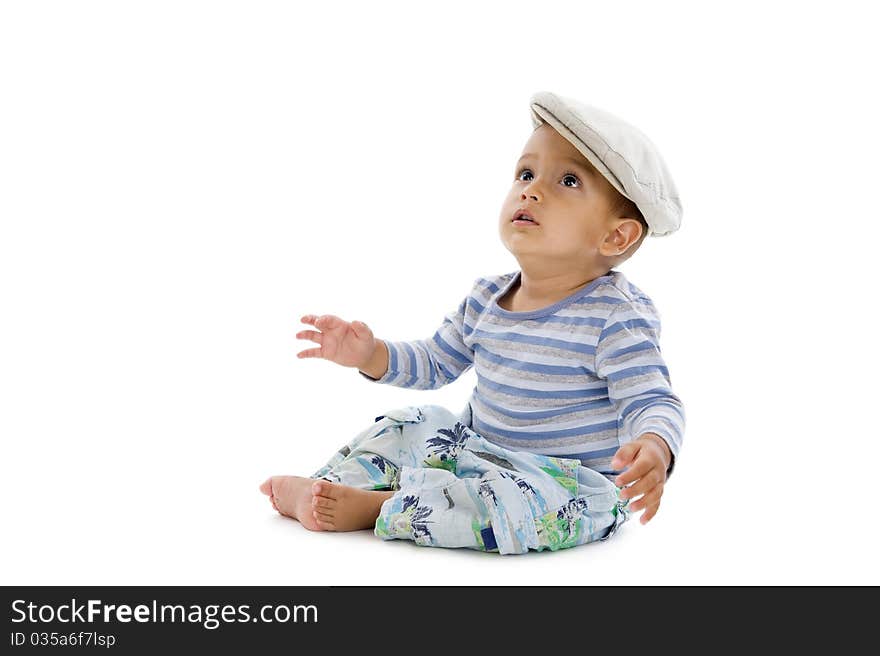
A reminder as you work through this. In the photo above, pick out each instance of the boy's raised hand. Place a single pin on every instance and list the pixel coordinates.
(647, 459)
(348, 344)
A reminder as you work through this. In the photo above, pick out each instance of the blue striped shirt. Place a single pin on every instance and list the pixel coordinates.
(576, 379)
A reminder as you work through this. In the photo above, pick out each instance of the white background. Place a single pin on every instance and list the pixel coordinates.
(181, 181)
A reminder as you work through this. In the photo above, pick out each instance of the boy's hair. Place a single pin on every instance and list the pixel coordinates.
(624, 207)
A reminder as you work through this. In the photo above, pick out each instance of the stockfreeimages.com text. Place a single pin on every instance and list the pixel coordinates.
(210, 615)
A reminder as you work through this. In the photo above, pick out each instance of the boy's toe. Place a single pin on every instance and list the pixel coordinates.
(325, 489)
(323, 502)
(325, 525)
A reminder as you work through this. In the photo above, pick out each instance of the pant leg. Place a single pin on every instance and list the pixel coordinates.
(373, 459)
(481, 496)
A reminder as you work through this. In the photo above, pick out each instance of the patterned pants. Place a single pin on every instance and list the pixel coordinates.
(455, 489)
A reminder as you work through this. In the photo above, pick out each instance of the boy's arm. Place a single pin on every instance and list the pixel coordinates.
(423, 364)
(628, 358)
(377, 365)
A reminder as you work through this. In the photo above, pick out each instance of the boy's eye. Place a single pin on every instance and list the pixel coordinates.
(569, 179)
(570, 176)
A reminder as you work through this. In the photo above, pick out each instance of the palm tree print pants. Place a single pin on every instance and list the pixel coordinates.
(456, 489)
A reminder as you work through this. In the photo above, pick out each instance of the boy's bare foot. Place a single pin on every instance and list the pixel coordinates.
(292, 497)
(342, 508)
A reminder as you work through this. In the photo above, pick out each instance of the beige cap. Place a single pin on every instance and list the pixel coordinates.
(620, 152)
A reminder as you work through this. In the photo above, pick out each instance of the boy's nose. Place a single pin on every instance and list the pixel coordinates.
(533, 195)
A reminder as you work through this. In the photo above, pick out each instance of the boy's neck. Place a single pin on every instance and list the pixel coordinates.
(549, 287)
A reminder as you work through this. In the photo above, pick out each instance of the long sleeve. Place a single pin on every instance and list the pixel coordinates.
(430, 363)
(628, 358)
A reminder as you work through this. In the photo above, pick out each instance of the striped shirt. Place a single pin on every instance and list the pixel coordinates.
(576, 379)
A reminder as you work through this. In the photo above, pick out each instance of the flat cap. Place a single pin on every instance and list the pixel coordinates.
(620, 152)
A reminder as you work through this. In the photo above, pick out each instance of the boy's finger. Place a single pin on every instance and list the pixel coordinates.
(649, 513)
(310, 353)
(643, 486)
(327, 321)
(310, 334)
(634, 473)
(649, 499)
(625, 455)
(309, 319)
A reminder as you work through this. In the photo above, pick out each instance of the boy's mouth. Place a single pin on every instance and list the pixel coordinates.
(522, 217)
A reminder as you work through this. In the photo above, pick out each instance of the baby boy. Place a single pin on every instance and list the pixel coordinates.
(573, 423)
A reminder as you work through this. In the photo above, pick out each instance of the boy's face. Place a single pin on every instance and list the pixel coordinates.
(569, 200)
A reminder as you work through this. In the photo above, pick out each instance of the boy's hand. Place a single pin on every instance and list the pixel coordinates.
(648, 458)
(348, 344)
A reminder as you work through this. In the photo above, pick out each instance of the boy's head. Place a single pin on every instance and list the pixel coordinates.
(578, 216)
(594, 185)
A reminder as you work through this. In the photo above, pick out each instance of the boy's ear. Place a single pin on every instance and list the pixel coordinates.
(623, 234)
